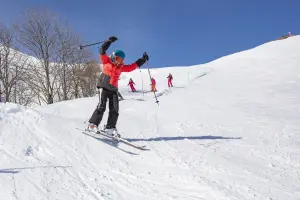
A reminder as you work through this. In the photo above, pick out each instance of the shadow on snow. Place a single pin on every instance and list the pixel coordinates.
(208, 137)
(17, 170)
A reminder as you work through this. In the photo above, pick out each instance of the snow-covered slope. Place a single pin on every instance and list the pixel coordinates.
(229, 129)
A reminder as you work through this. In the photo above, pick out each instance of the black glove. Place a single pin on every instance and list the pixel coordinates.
(112, 38)
(142, 60)
(145, 56)
(106, 45)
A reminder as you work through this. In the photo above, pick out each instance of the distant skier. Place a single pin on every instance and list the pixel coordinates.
(170, 78)
(112, 68)
(131, 84)
(153, 85)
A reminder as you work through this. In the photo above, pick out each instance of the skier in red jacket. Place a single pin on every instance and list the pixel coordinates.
(112, 68)
(170, 78)
(131, 84)
(153, 85)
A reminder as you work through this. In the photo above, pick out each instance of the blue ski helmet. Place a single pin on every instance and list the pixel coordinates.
(118, 53)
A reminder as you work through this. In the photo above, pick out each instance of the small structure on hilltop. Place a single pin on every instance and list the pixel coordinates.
(285, 36)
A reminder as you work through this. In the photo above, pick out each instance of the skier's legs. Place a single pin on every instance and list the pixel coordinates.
(170, 83)
(154, 88)
(113, 110)
(99, 111)
(132, 88)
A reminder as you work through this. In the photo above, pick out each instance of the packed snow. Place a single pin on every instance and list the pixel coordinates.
(227, 130)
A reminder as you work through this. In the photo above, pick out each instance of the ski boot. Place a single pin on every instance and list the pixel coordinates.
(112, 132)
(93, 128)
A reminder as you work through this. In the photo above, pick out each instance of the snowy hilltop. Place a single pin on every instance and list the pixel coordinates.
(227, 130)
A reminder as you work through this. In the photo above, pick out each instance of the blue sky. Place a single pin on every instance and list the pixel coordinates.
(174, 33)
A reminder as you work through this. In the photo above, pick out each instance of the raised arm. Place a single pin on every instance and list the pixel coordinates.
(102, 50)
(129, 68)
(138, 63)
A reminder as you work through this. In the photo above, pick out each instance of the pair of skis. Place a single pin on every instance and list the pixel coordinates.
(102, 135)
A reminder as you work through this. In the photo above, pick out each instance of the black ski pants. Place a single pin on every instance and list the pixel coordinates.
(113, 114)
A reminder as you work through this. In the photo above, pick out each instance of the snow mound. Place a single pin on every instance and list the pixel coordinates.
(228, 129)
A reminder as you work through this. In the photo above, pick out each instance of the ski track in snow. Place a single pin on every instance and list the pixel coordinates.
(226, 130)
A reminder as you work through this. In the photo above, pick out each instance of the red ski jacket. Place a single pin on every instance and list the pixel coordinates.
(111, 72)
(153, 82)
(131, 83)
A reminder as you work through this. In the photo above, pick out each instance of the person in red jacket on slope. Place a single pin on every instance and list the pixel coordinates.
(170, 78)
(131, 84)
(112, 68)
(153, 85)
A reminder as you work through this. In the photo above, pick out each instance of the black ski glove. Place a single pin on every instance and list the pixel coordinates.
(142, 60)
(145, 56)
(104, 47)
(106, 44)
(112, 38)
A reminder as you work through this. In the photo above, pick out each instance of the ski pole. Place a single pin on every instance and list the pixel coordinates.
(82, 46)
(142, 84)
(99, 96)
(151, 82)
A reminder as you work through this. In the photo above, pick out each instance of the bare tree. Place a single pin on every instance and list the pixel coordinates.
(23, 93)
(81, 75)
(38, 33)
(12, 64)
(1, 92)
(89, 78)
(69, 56)
(54, 45)
(35, 78)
